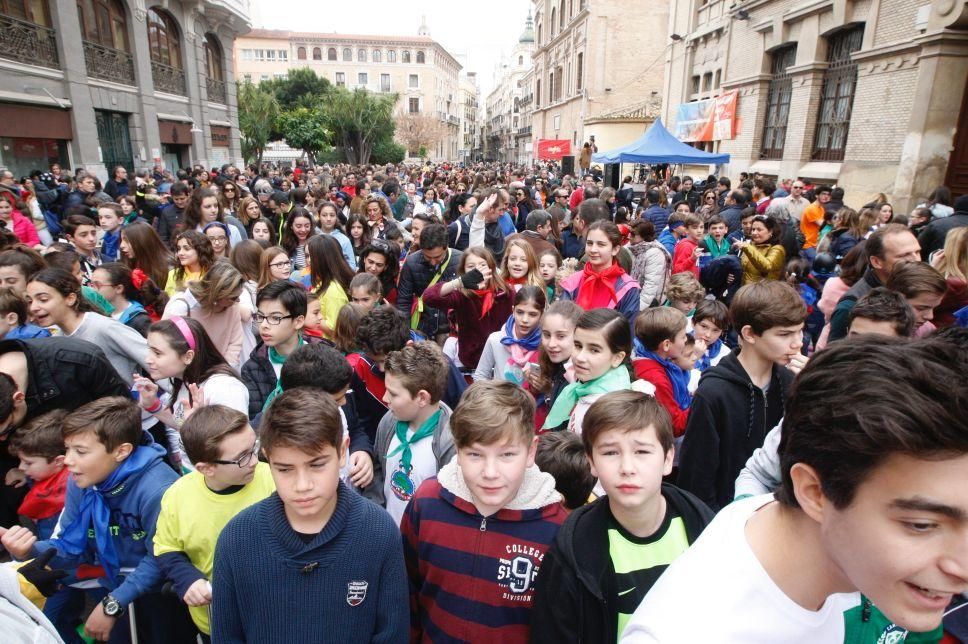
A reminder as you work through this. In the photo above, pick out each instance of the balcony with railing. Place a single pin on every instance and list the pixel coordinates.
(168, 79)
(216, 90)
(28, 43)
(524, 131)
(108, 64)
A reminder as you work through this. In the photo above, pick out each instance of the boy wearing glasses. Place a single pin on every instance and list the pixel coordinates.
(228, 478)
(281, 314)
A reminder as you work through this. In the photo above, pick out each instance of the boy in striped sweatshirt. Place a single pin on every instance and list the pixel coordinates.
(474, 536)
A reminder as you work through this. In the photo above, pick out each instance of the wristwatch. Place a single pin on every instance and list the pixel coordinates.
(112, 607)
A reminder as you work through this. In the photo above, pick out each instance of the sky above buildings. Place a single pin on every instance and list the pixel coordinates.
(477, 34)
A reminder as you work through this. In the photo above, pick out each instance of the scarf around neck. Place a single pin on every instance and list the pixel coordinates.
(277, 358)
(677, 377)
(706, 358)
(616, 379)
(530, 342)
(597, 289)
(94, 513)
(428, 427)
(487, 299)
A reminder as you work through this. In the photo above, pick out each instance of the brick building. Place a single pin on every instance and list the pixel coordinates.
(867, 94)
(99, 83)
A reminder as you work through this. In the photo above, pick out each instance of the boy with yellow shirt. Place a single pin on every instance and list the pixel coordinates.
(228, 478)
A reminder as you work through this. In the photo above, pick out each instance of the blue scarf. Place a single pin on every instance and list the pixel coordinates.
(93, 511)
(530, 342)
(678, 377)
(713, 350)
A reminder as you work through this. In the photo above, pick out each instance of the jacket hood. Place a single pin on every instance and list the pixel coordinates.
(536, 496)
(642, 248)
(729, 372)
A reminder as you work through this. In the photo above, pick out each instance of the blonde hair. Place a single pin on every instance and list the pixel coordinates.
(684, 287)
(533, 277)
(220, 282)
(497, 282)
(492, 410)
(955, 260)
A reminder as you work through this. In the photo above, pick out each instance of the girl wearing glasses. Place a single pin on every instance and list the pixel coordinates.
(218, 235)
(274, 265)
(179, 350)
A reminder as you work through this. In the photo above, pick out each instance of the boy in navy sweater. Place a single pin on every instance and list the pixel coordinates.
(314, 562)
(118, 476)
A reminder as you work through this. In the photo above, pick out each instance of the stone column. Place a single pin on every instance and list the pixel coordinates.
(194, 54)
(148, 117)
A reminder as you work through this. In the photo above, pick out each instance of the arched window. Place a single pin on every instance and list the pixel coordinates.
(561, 16)
(34, 11)
(347, 54)
(317, 53)
(392, 56)
(421, 58)
(104, 22)
(361, 56)
(301, 53)
(406, 56)
(554, 17)
(331, 53)
(163, 39)
(377, 56)
(540, 39)
(520, 60)
(213, 57)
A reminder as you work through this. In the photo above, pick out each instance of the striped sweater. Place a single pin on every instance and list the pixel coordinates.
(472, 577)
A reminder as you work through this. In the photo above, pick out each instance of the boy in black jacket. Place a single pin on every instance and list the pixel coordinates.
(608, 554)
(740, 399)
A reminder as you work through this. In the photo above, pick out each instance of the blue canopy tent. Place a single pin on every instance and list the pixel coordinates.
(657, 145)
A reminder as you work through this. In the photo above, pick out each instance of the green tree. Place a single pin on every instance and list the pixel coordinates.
(300, 88)
(358, 120)
(387, 151)
(303, 128)
(258, 111)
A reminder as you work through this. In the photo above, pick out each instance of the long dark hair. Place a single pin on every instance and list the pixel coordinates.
(203, 248)
(148, 294)
(289, 240)
(326, 264)
(613, 327)
(66, 284)
(193, 214)
(150, 253)
(207, 362)
(356, 218)
(391, 253)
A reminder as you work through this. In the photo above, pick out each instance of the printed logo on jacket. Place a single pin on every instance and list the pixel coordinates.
(517, 572)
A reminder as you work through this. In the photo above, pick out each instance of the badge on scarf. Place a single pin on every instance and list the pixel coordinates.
(356, 592)
(513, 373)
(401, 483)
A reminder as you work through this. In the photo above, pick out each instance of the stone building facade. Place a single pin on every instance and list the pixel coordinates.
(598, 69)
(471, 146)
(508, 129)
(866, 94)
(99, 83)
(419, 69)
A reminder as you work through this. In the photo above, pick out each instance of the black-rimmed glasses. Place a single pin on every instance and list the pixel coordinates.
(245, 459)
(274, 319)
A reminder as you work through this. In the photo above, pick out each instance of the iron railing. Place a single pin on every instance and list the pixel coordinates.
(28, 43)
(778, 103)
(216, 90)
(837, 96)
(168, 79)
(108, 63)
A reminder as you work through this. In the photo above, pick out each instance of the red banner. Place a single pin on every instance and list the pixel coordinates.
(553, 149)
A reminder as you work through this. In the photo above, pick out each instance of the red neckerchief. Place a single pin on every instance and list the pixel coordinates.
(487, 297)
(45, 498)
(517, 281)
(597, 289)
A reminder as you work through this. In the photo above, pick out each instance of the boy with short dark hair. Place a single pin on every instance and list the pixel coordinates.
(609, 553)
(855, 546)
(281, 313)
(314, 538)
(494, 491)
(715, 241)
(685, 259)
(81, 231)
(707, 325)
(13, 318)
(881, 312)
(413, 440)
(228, 478)
(660, 337)
(40, 448)
(118, 476)
(562, 455)
(110, 217)
(740, 399)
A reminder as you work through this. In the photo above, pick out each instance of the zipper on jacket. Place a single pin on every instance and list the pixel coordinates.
(483, 524)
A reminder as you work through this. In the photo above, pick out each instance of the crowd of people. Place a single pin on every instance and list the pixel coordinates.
(478, 402)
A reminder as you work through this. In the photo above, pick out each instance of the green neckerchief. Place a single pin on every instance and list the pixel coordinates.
(717, 249)
(277, 358)
(615, 379)
(427, 429)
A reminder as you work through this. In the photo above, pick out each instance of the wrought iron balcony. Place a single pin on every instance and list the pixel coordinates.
(216, 90)
(108, 64)
(28, 43)
(168, 79)
(524, 131)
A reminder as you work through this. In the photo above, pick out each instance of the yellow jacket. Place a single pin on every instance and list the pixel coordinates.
(762, 261)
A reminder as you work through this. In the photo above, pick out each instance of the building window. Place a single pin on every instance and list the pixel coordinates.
(361, 79)
(340, 79)
(248, 78)
(361, 56)
(264, 78)
(331, 53)
(694, 84)
(34, 11)
(707, 81)
(213, 58)
(717, 83)
(377, 56)
(559, 82)
(163, 39)
(539, 35)
(554, 20)
(406, 56)
(301, 53)
(384, 82)
(421, 58)
(392, 56)
(283, 54)
(561, 16)
(778, 103)
(317, 53)
(281, 76)
(347, 55)
(537, 93)
(551, 87)
(413, 81)
(414, 106)
(271, 55)
(837, 95)
(103, 22)
(579, 72)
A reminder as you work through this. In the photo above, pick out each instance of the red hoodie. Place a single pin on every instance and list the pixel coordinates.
(652, 371)
(682, 259)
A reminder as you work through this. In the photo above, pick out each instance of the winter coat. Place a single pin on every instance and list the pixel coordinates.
(762, 261)
(658, 215)
(486, 566)
(683, 260)
(259, 376)
(840, 318)
(651, 269)
(168, 223)
(570, 603)
(415, 277)
(932, 237)
(841, 243)
(733, 216)
(729, 418)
